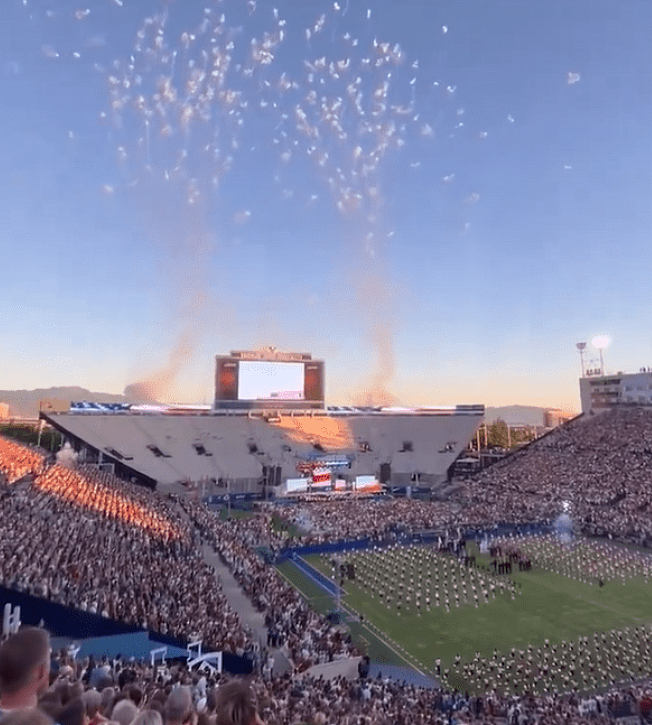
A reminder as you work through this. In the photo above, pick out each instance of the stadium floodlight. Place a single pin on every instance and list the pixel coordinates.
(581, 346)
(599, 342)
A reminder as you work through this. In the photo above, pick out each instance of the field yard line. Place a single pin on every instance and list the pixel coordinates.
(381, 636)
(390, 644)
(591, 601)
(316, 579)
(296, 586)
(611, 609)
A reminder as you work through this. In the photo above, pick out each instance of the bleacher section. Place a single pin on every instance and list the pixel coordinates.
(394, 445)
(81, 541)
(18, 460)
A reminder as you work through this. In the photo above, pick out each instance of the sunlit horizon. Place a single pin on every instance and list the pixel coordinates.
(438, 201)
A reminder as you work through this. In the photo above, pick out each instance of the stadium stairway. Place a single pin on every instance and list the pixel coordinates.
(249, 617)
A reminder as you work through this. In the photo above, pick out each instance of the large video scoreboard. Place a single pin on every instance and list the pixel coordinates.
(268, 379)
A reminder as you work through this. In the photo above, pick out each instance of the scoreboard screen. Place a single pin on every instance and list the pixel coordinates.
(268, 383)
(263, 380)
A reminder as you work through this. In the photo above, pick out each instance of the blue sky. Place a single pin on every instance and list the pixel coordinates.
(438, 198)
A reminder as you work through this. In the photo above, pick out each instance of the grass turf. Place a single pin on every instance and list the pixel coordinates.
(368, 641)
(280, 525)
(549, 606)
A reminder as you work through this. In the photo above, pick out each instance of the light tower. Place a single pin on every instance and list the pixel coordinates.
(599, 342)
(581, 346)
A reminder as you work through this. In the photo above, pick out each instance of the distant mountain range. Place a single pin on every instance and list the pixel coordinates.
(25, 403)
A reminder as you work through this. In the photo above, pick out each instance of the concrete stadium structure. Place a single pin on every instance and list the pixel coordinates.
(251, 451)
(600, 392)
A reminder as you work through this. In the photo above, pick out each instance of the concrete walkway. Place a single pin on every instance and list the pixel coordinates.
(251, 619)
(249, 616)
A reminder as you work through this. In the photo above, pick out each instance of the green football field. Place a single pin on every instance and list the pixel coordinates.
(551, 628)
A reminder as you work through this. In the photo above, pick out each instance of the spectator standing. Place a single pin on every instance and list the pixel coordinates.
(236, 705)
(24, 669)
(178, 707)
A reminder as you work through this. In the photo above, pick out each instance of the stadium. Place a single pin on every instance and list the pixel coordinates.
(269, 429)
(421, 203)
(520, 595)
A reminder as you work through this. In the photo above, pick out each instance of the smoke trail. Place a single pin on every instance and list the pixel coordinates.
(159, 385)
(186, 98)
(180, 231)
(376, 391)
(376, 299)
(383, 343)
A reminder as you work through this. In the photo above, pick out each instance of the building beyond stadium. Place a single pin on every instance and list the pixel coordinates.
(600, 392)
(269, 428)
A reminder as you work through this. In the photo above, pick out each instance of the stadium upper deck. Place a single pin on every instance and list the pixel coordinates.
(167, 445)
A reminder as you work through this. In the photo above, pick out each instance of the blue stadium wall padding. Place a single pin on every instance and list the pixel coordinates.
(105, 634)
(403, 537)
(236, 665)
(137, 645)
(60, 620)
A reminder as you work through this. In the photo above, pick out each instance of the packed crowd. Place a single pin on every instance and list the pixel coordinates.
(361, 518)
(39, 690)
(386, 702)
(601, 466)
(83, 538)
(18, 460)
(86, 540)
(305, 636)
(89, 489)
